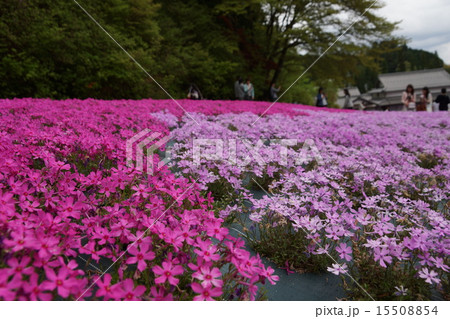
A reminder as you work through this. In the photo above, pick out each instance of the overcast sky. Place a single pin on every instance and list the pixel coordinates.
(425, 22)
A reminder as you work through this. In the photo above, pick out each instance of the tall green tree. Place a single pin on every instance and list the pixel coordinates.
(195, 48)
(311, 27)
(53, 49)
(281, 32)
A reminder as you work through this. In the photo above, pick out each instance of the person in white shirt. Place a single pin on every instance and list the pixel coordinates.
(249, 90)
(409, 99)
(348, 104)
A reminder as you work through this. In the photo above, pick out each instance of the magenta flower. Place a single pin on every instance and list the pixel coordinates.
(122, 228)
(209, 276)
(61, 166)
(26, 193)
(71, 209)
(107, 188)
(207, 251)
(7, 203)
(140, 256)
(36, 290)
(141, 190)
(205, 293)
(106, 290)
(89, 249)
(129, 292)
(19, 268)
(159, 294)
(48, 246)
(187, 234)
(215, 230)
(167, 272)
(21, 239)
(174, 238)
(268, 273)
(59, 281)
(7, 288)
(140, 239)
(251, 266)
(103, 235)
(252, 290)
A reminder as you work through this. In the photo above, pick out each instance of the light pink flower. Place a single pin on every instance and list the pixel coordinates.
(429, 276)
(338, 269)
(344, 251)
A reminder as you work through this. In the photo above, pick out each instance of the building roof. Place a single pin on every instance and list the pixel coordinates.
(431, 78)
(373, 91)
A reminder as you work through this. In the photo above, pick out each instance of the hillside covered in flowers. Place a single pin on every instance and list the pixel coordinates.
(77, 222)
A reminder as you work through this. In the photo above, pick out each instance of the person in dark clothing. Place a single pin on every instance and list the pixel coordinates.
(239, 89)
(321, 99)
(274, 92)
(194, 93)
(443, 100)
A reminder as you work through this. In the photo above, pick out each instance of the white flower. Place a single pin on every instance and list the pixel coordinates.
(338, 269)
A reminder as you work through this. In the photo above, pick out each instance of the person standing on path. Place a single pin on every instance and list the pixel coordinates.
(426, 101)
(348, 104)
(443, 100)
(239, 89)
(409, 99)
(274, 92)
(249, 90)
(321, 99)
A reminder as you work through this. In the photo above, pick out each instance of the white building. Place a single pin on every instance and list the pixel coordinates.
(389, 96)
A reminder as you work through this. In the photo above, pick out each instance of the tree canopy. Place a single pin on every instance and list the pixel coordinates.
(53, 49)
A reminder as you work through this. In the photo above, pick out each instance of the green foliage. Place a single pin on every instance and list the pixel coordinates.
(447, 68)
(196, 47)
(381, 282)
(53, 49)
(275, 238)
(391, 57)
(407, 59)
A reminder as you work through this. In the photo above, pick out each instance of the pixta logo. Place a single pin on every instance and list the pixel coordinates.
(139, 143)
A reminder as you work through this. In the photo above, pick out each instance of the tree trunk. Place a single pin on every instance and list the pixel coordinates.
(280, 63)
